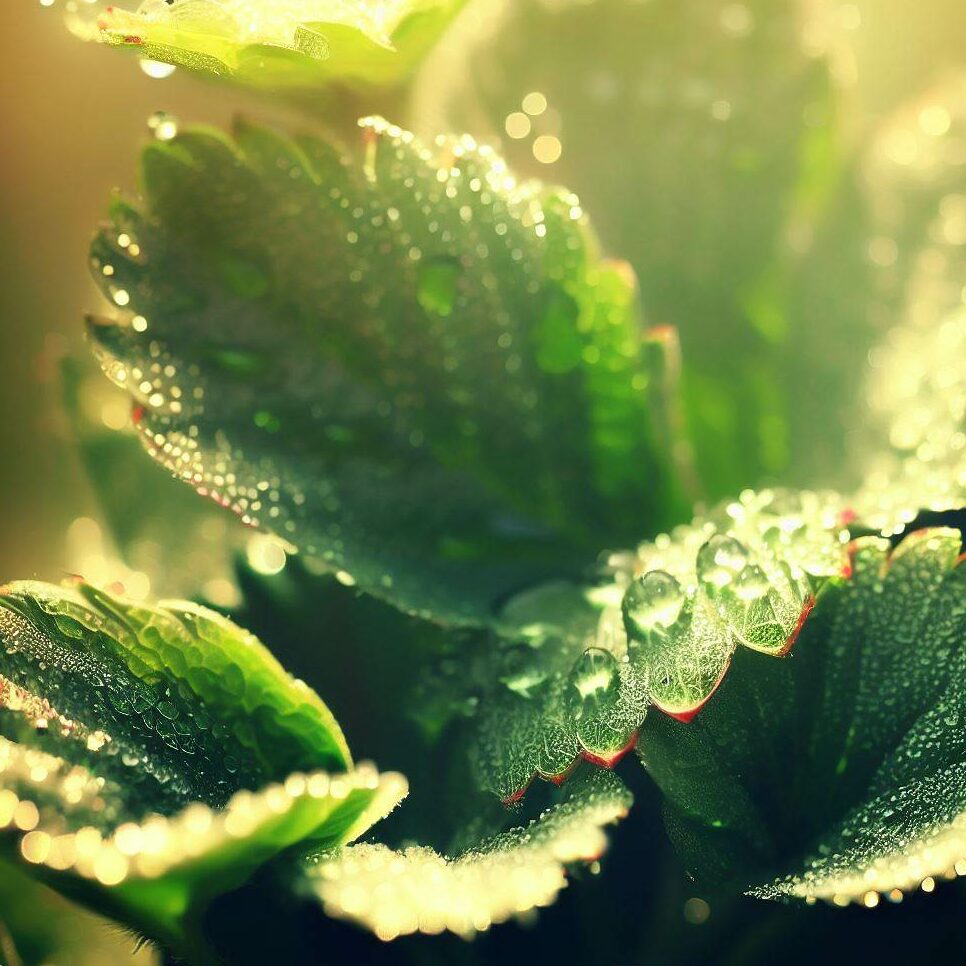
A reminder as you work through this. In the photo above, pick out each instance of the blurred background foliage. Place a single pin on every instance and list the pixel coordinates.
(76, 501)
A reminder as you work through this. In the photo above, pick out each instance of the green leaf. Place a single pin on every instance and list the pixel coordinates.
(917, 390)
(884, 273)
(171, 656)
(133, 542)
(296, 46)
(578, 668)
(396, 893)
(364, 356)
(153, 757)
(40, 926)
(838, 772)
(706, 147)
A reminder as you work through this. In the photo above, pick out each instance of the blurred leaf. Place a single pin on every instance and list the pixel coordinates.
(416, 889)
(300, 47)
(151, 758)
(702, 134)
(385, 378)
(876, 300)
(138, 501)
(38, 927)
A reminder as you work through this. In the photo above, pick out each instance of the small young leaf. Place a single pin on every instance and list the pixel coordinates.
(662, 632)
(379, 377)
(156, 756)
(396, 893)
(296, 46)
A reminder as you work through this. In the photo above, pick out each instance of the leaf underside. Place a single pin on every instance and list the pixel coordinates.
(291, 46)
(416, 889)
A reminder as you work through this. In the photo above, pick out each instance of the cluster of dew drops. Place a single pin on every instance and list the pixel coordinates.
(764, 554)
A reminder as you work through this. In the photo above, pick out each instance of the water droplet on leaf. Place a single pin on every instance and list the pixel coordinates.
(594, 680)
(720, 561)
(654, 599)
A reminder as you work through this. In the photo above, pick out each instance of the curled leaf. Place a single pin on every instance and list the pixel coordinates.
(578, 667)
(297, 46)
(153, 757)
(66, 821)
(416, 889)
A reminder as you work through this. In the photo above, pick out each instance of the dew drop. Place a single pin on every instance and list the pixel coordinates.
(751, 583)
(720, 561)
(156, 69)
(163, 125)
(524, 671)
(594, 680)
(654, 599)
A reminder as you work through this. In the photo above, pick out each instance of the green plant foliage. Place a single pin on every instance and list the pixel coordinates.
(381, 377)
(884, 272)
(416, 889)
(153, 757)
(279, 724)
(706, 149)
(578, 667)
(295, 46)
(38, 926)
(415, 372)
(138, 503)
(866, 713)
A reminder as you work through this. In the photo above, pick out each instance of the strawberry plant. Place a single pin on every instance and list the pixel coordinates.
(554, 500)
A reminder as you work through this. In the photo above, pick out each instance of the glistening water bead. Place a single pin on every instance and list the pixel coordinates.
(594, 680)
(652, 600)
(720, 561)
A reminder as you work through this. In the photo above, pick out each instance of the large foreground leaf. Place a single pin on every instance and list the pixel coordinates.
(153, 757)
(838, 772)
(416, 889)
(296, 46)
(415, 369)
